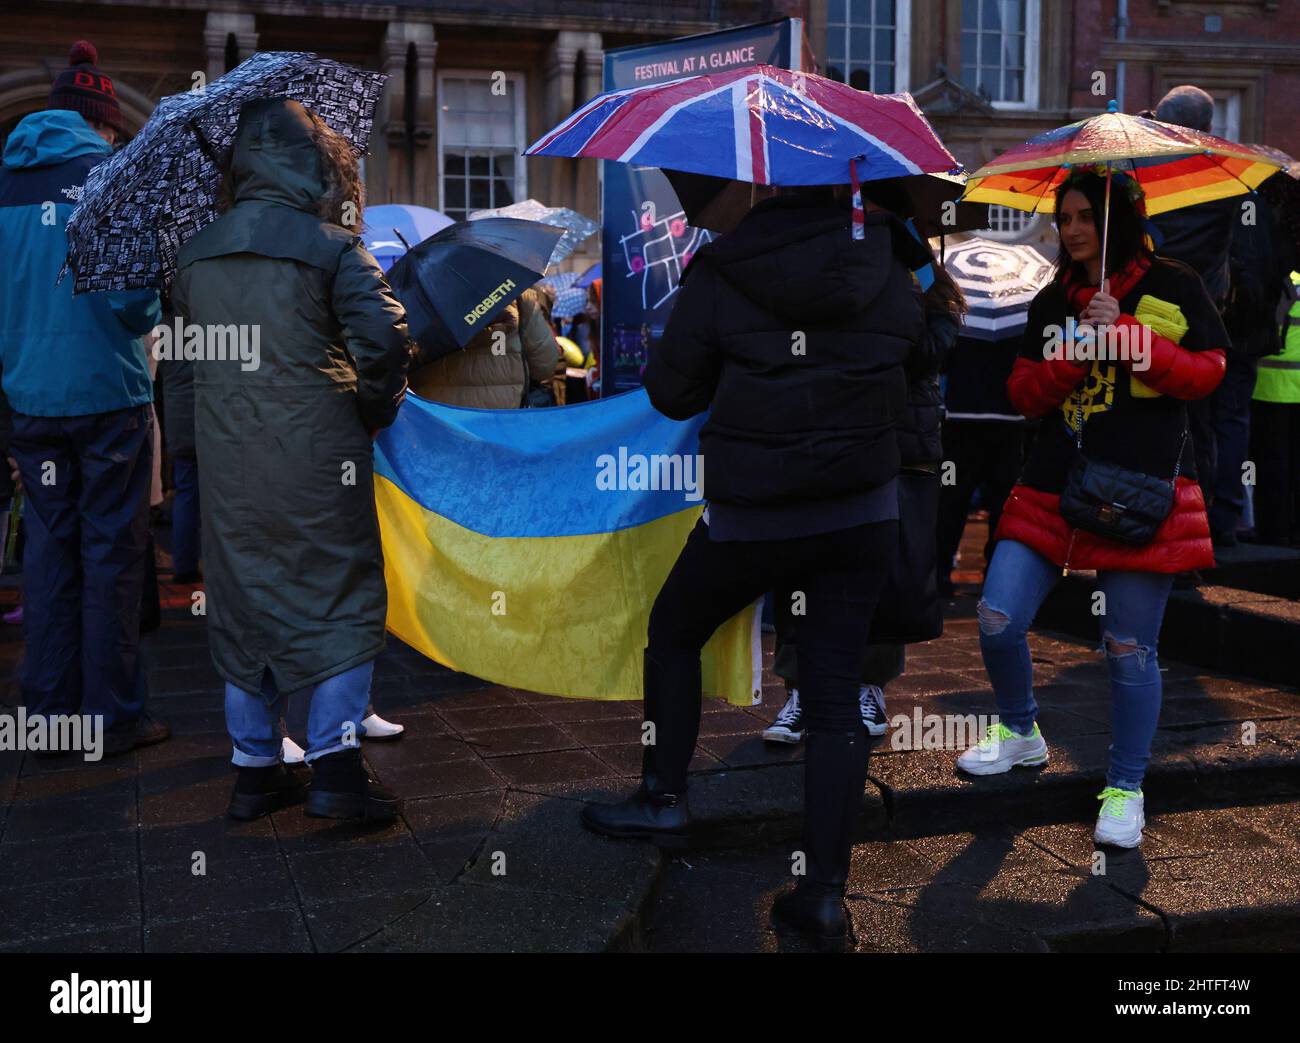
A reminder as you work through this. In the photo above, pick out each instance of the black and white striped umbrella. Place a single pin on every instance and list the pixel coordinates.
(999, 280)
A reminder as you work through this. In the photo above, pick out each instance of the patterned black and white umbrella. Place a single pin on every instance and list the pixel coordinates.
(140, 206)
(999, 280)
(576, 226)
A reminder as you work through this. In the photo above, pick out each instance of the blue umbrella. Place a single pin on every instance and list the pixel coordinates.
(569, 303)
(560, 281)
(456, 282)
(388, 224)
(589, 276)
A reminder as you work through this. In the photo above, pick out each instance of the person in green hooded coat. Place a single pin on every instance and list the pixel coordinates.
(304, 359)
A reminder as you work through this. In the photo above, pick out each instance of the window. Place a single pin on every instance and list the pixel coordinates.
(999, 50)
(867, 43)
(1226, 122)
(1006, 224)
(480, 136)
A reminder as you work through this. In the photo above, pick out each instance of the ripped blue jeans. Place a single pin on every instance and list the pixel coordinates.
(1018, 581)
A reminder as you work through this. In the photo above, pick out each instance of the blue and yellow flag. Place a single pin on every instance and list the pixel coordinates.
(526, 547)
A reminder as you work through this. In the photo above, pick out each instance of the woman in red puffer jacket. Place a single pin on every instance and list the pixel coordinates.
(1129, 407)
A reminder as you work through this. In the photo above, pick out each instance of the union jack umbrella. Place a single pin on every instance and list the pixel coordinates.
(758, 123)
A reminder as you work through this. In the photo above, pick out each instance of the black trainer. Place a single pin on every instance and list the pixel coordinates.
(871, 700)
(341, 787)
(259, 791)
(788, 726)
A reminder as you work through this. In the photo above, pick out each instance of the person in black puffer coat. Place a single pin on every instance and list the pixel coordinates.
(794, 336)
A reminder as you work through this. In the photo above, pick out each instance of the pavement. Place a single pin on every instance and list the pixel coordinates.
(135, 854)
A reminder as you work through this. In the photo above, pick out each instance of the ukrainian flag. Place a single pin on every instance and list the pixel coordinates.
(527, 546)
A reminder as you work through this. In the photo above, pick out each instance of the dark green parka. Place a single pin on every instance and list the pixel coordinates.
(292, 561)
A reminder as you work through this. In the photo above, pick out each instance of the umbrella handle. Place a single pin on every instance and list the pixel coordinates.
(205, 146)
(1105, 230)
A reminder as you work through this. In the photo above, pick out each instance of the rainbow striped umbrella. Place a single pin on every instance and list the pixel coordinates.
(759, 124)
(1175, 166)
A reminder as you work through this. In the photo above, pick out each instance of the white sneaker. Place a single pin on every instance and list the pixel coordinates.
(291, 752)
(788, 726)
(1121, 819)
(375, 727)
(1001, 749)
(871, 700)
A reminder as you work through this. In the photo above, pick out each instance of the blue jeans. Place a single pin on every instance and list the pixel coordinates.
(338, 705)
(185, 514)
(87, 481)
(1018, 581)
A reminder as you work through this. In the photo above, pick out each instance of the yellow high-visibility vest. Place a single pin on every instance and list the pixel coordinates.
(1279, 375)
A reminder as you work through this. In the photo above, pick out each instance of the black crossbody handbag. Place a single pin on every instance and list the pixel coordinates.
(1112, 501)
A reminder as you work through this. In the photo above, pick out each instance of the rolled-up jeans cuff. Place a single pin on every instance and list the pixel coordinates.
(336, 748)
(248, 760)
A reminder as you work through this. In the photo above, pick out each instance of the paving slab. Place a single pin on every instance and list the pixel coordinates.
(489, 854)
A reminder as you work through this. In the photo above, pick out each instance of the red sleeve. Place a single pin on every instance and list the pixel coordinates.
(1037, 386)
(1174, 370)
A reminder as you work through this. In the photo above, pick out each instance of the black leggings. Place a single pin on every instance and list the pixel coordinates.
(840, 575)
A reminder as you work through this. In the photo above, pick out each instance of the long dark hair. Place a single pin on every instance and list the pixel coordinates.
(1127, 240)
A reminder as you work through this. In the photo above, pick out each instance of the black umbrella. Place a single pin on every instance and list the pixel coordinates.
(935, 207)
(1282, 191)
(456, 282)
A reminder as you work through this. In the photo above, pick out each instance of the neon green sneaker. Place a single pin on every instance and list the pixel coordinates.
(1121, 818)
(1001, 749)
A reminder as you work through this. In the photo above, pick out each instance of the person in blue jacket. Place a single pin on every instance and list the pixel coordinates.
(76, 376)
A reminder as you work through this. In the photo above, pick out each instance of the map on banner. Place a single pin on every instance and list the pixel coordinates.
(657, 251)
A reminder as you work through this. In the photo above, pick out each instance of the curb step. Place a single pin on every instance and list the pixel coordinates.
(1211, 880)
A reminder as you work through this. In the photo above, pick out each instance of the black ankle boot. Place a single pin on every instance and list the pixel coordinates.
(342, 788)
(817, 912)
(658, 810)
(259, 791)
(664, 818)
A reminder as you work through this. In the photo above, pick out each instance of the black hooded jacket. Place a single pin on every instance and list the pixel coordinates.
(794, 335)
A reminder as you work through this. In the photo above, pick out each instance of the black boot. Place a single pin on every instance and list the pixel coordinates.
(658, 810)
(259, 791)
(816, 911)
(835, 774)
(646, 815)
(341, 787)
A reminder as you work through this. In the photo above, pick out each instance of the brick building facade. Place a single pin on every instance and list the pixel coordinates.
(471, 83)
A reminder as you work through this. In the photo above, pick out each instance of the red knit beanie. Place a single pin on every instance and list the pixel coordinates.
(83, 88)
